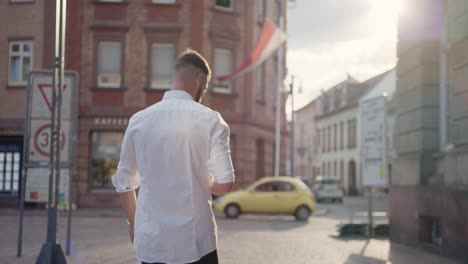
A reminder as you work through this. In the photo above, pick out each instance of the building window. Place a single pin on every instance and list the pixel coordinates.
(338, 99)
(260, 168)
(260, 83)
(21, 54)
(226, 5)
(105, 156)
(329, 139)
(277, 12)
(162, 63)
(341, 171)
(352, 133)
(335, 138)
(323, 140)
(326, 104)
(109, 64)
(261, 10)
(335, 170)
(21, 1)
(10, 163)
(341, 136)
(164, 1)
(222, 67)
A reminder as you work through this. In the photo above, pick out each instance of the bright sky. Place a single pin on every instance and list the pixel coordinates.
(327, 39)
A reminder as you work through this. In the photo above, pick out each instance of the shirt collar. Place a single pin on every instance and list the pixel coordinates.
(177, 94)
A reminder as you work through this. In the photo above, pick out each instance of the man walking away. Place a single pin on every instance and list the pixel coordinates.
(177, 152)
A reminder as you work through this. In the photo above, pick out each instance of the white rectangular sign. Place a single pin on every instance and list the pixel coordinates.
(37, 186)
(373, 142)
(40, 140)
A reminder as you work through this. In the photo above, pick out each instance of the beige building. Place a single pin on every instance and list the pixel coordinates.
(306, 142)
(429, 191)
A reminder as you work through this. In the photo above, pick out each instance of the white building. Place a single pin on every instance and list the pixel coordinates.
(337, 122)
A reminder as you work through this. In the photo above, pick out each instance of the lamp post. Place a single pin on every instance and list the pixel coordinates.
(292, 145)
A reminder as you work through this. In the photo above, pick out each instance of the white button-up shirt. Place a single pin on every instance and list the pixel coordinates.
(169, 150)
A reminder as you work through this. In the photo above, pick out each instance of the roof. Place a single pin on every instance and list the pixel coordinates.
(309, 104)
(386, 85)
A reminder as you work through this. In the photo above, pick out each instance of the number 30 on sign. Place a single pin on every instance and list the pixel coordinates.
(39, 147)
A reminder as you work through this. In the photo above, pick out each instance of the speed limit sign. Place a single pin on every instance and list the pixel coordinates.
(41, 139)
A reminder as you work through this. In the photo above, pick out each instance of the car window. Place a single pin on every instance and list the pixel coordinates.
(281, 186)
(330, 182)
(265, 187)
(277, 186)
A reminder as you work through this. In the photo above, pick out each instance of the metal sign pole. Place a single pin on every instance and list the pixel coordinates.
(72, 158)
(26, 141)
(371, 218)
(51, 252)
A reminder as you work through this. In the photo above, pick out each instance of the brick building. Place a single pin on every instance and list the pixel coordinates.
(26, 39)
(429, 192)
(123, 51)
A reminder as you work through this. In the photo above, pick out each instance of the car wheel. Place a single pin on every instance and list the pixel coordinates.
(302, 213)
(340, 200)
(232, 211)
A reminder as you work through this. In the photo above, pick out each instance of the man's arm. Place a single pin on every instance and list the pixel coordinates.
(220, 163)
(127, 178)
(128, 200)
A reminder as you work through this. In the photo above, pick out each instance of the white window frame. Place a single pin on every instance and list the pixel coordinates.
(217, 88)
(101, 84)
(173, 46)
(229, 9)
(22, 54)
(164, 2)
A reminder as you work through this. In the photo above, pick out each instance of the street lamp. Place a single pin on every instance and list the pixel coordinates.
(291, 94)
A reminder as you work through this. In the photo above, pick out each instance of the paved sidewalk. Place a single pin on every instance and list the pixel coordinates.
(99, 236)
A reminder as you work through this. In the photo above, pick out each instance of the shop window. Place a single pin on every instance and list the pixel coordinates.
(105, 156)
(430, 230)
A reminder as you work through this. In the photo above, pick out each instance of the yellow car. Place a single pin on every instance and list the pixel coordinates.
(269, 195)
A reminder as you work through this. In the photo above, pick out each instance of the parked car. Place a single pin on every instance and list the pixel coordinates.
(309, 181)
(269, 195)
(328, 188)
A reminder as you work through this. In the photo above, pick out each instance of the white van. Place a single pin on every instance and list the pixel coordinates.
(328, 188)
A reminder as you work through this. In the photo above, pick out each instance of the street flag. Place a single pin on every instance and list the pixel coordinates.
(270, 40)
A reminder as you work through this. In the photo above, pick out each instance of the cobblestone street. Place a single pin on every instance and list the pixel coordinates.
(99, 236)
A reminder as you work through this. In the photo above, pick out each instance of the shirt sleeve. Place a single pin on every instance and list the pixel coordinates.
(127, 177)
(220, 163)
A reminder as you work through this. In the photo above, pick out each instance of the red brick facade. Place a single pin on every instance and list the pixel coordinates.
(137, 24)
(197, 24)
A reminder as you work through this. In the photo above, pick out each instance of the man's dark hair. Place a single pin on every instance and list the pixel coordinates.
(193, 58)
